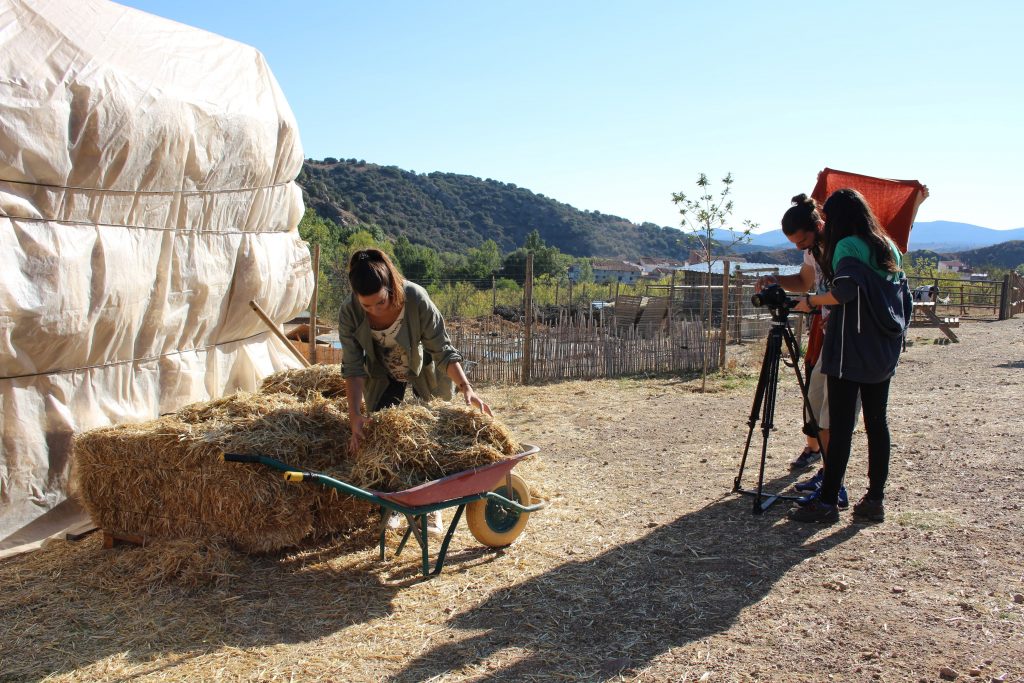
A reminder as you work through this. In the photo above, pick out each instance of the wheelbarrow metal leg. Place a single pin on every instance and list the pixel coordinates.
(447, 540)
(422, 519)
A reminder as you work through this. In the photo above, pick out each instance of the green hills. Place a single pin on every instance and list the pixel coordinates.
(453, 212)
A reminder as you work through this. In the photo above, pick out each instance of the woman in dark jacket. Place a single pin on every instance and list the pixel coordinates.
(870, 310)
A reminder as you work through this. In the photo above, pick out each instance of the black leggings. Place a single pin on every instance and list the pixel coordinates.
(393, 395)
(842, 404)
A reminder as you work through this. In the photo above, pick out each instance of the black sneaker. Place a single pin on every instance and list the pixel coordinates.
(805, 459)
(871, 510)
(816, 512)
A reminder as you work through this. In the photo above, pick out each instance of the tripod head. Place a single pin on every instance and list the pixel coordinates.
(773, 297)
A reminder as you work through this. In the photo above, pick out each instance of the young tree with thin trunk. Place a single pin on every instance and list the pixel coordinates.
(701, 216)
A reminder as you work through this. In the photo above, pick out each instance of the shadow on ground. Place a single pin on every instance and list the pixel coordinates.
(616, 612)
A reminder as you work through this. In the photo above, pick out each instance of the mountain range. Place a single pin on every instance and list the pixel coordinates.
(939, 236)
(453, 212)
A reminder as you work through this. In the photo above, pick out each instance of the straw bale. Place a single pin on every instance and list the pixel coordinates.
(165, 479)
(161, 480)
(312, 435)
(238, 406)
(304, 383)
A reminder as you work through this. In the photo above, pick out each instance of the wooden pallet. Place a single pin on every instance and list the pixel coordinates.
(115, 538)
(925, 316)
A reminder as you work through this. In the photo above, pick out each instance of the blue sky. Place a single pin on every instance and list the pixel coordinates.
(612, 106)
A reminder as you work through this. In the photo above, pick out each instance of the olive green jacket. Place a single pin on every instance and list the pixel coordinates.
(422, 332)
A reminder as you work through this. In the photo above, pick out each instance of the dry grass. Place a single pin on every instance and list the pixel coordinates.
(645, 568)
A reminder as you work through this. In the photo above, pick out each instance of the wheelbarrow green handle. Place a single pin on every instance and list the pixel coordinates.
(292, 475)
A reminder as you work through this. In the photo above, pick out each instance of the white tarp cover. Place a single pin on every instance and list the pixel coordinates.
(146, 195)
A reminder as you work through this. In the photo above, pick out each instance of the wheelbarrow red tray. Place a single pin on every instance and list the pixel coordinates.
(458, 485)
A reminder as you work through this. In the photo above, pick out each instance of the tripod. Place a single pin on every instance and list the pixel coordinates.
(764, 403)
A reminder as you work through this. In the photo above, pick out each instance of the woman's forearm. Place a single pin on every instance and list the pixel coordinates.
(458, 376)
(354, 394)
(826, 299)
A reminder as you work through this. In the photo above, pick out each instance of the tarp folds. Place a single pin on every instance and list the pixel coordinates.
(894, 202)
(146, 195)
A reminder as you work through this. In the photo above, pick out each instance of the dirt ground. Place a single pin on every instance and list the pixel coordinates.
(644, 567)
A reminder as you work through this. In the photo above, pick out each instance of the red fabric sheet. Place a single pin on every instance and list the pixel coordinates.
(894, 202)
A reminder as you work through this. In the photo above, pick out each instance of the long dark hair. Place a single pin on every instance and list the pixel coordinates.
(370, 270)
(848, 214)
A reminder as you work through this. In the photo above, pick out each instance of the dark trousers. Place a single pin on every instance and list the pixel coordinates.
(392, 396)
(842, 404)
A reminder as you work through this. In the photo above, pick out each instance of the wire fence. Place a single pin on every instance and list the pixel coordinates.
(522, 329)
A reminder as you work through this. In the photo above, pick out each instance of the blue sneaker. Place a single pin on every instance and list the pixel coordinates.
(812, 484)
(805, 459)
(842, 503)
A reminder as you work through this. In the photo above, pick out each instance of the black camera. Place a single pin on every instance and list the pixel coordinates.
(773, 296)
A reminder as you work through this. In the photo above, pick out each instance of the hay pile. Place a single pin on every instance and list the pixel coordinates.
(417, 442)
(165, 479)
(304, 383)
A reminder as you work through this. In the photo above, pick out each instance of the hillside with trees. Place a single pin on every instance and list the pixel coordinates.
(450, 212)
(1007, 256)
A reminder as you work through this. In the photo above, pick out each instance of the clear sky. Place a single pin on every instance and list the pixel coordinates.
(612, 106)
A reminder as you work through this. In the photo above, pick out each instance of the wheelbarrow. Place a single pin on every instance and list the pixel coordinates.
(496, 502)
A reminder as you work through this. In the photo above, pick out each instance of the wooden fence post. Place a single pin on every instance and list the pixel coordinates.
(1004, 298)
(528, 331)
(725, 315)
(671, 296)
(312, 305)
(494, 294)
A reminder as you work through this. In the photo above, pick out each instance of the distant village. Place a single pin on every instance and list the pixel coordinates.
(960, 269)
(652, 268)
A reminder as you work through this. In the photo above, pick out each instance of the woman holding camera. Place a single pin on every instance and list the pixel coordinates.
(802, 225)
(869, 312)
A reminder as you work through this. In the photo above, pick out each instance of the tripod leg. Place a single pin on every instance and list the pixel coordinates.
(768, 413)
(755, 410)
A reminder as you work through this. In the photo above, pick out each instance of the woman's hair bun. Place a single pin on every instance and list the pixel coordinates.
(802, 199)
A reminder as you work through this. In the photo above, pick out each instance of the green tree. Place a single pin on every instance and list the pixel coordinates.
(417, 262)
(484, 260)
(546, 260)
(701, 216)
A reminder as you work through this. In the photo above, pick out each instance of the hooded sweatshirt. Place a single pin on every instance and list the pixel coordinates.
(865, 331)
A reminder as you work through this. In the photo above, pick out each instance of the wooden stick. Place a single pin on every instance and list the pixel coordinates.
(312, 305)
(280, 335)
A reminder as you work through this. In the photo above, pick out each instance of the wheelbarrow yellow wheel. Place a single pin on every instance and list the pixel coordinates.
(494, 524)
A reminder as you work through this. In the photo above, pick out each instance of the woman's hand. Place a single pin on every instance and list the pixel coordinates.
(356, 422)
(764, 281)
(473, 400)
(804, 305)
